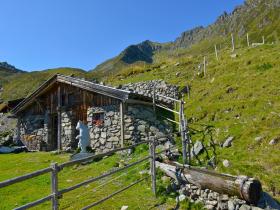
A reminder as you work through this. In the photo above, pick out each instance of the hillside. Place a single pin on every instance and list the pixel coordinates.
(256, 17)
(139, 53)
(20, 85)
(239, 97)
(7, 70)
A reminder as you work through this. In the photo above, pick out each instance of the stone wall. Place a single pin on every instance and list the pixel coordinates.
(68, 140)
(161, 87)
(140, 124)
(32, 132)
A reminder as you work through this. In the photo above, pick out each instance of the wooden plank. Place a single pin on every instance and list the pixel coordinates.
(183, 132)
(134, 101)
(73, 162)
(154, 98)
(94, 179)
(153, 165)
(59, 118)
(34, 203)
(54, 186)
(168, 119)
(113, 194)
(173, 99)
(122, 122)
(163, 107)
(24, 177)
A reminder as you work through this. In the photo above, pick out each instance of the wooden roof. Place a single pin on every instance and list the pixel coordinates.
(122, 95)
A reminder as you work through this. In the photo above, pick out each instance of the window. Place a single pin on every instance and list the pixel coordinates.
(98, 119)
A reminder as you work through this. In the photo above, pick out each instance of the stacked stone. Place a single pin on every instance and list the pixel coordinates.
(106, 136)
(140, 124)
(210, 199)
(67, 134)
(32, 131)
(161, 88)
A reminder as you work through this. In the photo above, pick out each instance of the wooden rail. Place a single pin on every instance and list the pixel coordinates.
(54, 169)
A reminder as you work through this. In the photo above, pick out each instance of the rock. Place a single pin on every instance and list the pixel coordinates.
(259, 138)
(228, 141)
(210, 207)
(222, 206)
(178, 74)
(113, 139)
(110, 114)
(274, 141)
(141, 128)
(197, 148)
(107, 122)
(124, 208)
(103, 135)
(226, 163)
(224, 197)
(131, 128)
(234, 55)
(181, 197)
(231, 205)
(245, 207)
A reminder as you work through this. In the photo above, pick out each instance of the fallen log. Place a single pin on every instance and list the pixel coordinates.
(246, 188)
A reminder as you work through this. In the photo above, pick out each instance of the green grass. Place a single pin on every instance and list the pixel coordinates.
(138, 197)
(21, 85)
(239, 97)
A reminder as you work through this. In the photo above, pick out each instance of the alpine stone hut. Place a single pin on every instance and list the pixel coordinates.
(47, 118)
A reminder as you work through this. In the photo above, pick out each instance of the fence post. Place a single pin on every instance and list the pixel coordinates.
(183, 132)
(204, 66)
(153, 164)
(216, 52)
(232, 42)
(248, 41)
(54, 185)
(154, 98)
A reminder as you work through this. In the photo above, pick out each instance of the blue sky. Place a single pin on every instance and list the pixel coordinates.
(41, 34)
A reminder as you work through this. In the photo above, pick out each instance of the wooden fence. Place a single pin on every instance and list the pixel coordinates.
(55, 168)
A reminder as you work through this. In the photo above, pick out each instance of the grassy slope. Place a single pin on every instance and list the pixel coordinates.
(251, 110)
(20, 85)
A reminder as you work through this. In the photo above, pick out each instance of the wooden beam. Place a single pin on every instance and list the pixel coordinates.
(59, 118)
(163, 107)
(134, 101)
(122, 123)
(246, 188)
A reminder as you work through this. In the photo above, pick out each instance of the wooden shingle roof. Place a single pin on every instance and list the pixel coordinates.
(122, 95)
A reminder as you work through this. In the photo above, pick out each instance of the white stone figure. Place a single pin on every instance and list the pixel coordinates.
(83, 136)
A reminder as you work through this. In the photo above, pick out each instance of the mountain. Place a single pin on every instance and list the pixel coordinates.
(139, 53)
(256, 17)
(7, 70)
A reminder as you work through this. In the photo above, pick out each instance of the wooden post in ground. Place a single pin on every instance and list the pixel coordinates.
(216, 52)
(59, 118)
(232, 42)
(263, 39)
(154, 98)
(54, 186)
(183, 132)
(248, 41)
(204, 66)
(153, 164)
(122, 122)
